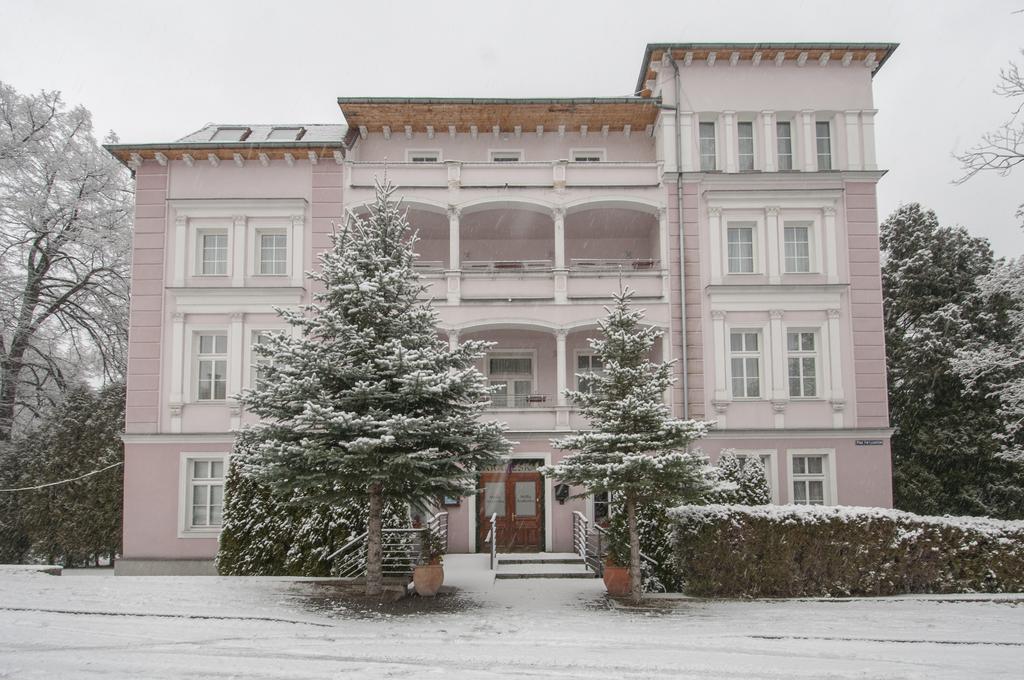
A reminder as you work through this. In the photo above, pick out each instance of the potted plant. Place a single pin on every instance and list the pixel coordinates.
(428, 575)
(614, 574)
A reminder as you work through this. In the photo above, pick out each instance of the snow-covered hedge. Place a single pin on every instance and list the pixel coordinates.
(793, 551)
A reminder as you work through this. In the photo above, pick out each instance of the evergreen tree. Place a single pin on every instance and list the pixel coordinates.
(366, 401)
(945, 455)
(746, 481)
(635, 450)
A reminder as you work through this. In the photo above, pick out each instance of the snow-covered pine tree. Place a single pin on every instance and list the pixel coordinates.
(365, 400)
(636, 449)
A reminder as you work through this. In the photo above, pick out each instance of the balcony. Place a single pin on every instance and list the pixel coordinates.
(542, 174)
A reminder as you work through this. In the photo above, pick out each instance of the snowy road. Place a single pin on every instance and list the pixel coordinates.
(83, 625)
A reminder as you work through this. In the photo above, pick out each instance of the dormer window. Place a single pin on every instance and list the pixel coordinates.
(506, 156)
(285, 134)
(230, 134)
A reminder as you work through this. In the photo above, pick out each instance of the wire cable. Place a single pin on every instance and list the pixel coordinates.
(63, 481)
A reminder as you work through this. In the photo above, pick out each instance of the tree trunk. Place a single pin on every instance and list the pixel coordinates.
(374, 554)
(635, 584)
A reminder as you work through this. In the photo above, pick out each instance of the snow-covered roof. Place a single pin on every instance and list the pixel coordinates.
(258, 133)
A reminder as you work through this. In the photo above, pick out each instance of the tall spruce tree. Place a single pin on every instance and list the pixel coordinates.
(365, 400)
(945, 454)
(636, 449)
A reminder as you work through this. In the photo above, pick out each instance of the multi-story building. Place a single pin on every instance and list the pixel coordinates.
(735, 193)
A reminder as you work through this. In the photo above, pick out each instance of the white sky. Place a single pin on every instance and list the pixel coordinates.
(157, 74)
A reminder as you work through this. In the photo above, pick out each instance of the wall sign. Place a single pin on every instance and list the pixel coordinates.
(868, 442)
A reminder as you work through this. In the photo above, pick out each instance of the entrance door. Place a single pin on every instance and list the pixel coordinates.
(517, 498)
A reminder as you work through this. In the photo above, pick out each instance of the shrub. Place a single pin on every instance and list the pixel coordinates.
(746, 479)
(655, 529)
(794, 551)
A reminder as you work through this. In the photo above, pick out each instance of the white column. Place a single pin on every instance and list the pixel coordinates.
(686, 122)
(721, 352)
(729, 140)
(296, 242)
(771, 225)
(180, 250)
(177, 369)
(453, 339)
(769, 147)
(663, 253)
(238, 251)
(777, 361)
(237, 361)
(562, 410)
(715, 236)
(853, 158)
(666, 356)
(837, 396)
(453, 237)
(559, 218)
(867, 123)
(831, 245)
(807, 141)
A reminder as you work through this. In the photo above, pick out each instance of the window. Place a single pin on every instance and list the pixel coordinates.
(797, 243)
(602, 508)
(506, 156)
(746, 143)
(784, 135)
(741, 250)
(587, 365)
(205, 493)
(809, 479)
(212, 366)
(230, 134)
(745, 362)
(824, 142)
(708, 156)
(513, 378)
(802, 361)
(588, 155)
(279, 134)
(213, 253)
(423, 156)
(273, 253)
(257, 367)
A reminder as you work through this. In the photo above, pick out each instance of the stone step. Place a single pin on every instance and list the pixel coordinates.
(541, 574)
(546, 560)
(538, 569)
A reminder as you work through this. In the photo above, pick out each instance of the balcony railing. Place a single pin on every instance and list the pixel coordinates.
(480, 174)
(429, 266)
(505, 266)
(614, 265)
(522, 401)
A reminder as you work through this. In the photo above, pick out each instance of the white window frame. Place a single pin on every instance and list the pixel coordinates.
(254, 360)
(700, 151)
(828, 467)
(816, 354)
(592, 503)
(530, 354)
(745, 354)
(257, 259)
(600, 154)
(769, 457)
(812, 257)
(185, 527)
(793, 157)
(831, 145)
(576, 361)
(755, 245)
(753, 146)
(198, 235)
(197, 357)
(492, 153)
(411, 153)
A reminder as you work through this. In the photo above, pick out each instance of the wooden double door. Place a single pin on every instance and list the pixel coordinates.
(517, 501)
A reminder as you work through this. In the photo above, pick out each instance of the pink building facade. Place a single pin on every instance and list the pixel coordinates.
(735, 194)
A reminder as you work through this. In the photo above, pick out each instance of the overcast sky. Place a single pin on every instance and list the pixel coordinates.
(154, 72)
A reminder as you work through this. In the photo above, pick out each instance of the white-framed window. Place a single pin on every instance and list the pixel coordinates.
(796, 238)
(282, 134)
(272, 252)
(784, 144)
(513, 376)
(745, 363)
(745, 137)
(505, 156)
(811, 478)
(823, 141)
(201, 495)
(258, 363)
(802, 363)
(423, 155)
(211, 349)
(587, 155)
(212, 252)
(708, 153)
(587, 364)
(767, 457)
(603, 508)
(740, 248)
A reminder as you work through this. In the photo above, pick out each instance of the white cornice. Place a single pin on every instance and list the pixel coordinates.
(230, 207)
(244, 300)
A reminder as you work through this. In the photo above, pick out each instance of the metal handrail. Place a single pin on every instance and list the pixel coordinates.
(591, 543)
(585, 264)
(522, 401)
(402, 549)
(492, 538)
(506, 266)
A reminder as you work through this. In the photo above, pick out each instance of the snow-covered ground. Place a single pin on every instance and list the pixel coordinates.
(91, 624)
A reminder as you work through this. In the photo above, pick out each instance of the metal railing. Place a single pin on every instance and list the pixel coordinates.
(429, 266)
(492, 538)
(590, 542)
(402, 550)
(505, 266)
(520, 401)
(613, 265)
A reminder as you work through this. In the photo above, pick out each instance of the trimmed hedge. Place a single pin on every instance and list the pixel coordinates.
(816, 551)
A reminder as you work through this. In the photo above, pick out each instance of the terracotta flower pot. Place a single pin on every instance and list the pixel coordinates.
(616, 580)
(427, 579)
